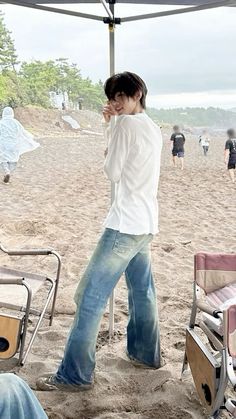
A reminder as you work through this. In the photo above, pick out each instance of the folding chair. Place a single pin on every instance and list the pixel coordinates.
(211, 352)
(17, 292)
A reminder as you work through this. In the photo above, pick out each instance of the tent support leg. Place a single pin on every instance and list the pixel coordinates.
(112, 71)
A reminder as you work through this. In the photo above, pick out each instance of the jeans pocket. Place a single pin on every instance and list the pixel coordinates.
(123, 244)
(126, 244)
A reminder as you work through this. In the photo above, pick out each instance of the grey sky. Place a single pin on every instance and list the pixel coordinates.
(178, 54)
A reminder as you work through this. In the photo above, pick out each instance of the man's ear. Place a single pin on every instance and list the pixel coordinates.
(138, 95)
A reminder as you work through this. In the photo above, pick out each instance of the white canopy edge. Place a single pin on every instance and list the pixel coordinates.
(156, 2)
(110, 18)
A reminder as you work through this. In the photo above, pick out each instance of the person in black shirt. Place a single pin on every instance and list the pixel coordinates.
(230, 153)
(178, 140)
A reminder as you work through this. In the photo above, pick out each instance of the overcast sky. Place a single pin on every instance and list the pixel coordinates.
(186, 60)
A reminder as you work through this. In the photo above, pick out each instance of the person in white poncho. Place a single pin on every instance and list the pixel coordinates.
(14, 141)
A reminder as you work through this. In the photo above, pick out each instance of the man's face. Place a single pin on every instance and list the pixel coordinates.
(123, 104)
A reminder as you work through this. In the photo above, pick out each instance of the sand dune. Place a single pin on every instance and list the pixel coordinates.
(58, 198)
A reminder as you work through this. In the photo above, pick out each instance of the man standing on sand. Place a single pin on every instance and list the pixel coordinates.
(133, 164)
(178, 141)
(230, 153)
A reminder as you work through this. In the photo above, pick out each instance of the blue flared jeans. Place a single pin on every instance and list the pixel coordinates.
(116, 253)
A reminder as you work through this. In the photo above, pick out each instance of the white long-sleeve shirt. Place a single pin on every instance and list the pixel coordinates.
(133, 163)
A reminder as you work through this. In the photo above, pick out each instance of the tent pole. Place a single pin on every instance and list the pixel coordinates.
(53, 9)
(112, 71)
(112, 42)
(205, 6)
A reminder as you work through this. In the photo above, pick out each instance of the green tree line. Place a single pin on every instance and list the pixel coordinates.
(23, 83)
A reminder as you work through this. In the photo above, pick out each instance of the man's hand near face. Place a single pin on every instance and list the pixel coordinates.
(108, 111)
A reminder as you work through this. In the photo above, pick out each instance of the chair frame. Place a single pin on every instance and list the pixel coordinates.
(227, 373)
(19, 279)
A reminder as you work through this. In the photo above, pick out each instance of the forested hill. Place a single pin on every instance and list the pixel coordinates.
(30, 83)
(195, 117)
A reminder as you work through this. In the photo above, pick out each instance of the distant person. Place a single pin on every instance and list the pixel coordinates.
(204, 141)
(178, 140)
(17, 400)
(230, 153)
(63, 106)
(14, 141)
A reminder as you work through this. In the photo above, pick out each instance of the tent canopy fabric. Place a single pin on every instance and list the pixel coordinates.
(157, 2)
(187, 7)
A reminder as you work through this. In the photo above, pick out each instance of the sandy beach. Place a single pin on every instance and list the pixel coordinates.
(58, 198)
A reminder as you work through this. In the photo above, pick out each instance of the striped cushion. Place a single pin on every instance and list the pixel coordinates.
(224, 299)
(232, 330)
(214, 271)
(221, 296)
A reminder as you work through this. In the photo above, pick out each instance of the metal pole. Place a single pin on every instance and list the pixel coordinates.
(112, 71)
(112, 42)
(53, 9)
(107, 9)
(206, 6)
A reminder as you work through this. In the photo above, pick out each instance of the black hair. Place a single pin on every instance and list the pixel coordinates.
(231, 133)
(127, 83)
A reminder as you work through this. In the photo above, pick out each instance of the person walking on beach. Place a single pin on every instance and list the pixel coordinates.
(178, 141)
(133, 164)
(14, 141)
(230, 153)
(205, 142)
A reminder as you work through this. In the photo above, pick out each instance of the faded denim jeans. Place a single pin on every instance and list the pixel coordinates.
(115, 254)
(17, 401)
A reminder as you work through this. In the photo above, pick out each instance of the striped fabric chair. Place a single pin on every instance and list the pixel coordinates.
(212, 355)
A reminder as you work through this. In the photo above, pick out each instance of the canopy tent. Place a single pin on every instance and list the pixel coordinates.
(184, 6)
(111, 19)
(192, 6)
